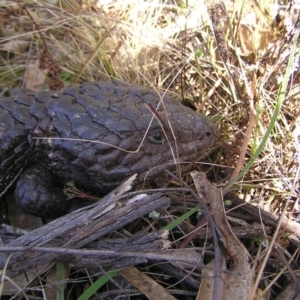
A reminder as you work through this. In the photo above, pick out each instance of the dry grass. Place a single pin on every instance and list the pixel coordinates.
(171, 45)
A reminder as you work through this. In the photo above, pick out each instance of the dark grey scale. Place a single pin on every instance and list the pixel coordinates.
(50, 138)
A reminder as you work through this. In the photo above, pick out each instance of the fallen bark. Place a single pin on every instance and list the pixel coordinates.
(80, 228)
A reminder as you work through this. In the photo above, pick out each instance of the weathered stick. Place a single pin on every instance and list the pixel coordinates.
(81, 227)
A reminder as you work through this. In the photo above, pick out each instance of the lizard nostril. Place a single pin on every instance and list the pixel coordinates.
(208, 134)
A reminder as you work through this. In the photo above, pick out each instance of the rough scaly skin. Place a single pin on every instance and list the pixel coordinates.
(87, 120)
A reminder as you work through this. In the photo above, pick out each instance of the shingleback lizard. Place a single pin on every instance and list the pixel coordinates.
(88, 134)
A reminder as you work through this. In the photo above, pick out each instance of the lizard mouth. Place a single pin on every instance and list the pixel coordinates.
(183, 158)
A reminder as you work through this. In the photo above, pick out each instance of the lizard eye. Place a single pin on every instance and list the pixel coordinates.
(156, 138)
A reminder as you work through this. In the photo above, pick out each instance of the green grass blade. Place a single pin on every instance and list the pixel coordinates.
(280, 99)
(100, 282)
(181, 219)
(60, 276)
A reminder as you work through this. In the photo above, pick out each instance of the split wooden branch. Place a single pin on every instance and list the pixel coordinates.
(81, 227)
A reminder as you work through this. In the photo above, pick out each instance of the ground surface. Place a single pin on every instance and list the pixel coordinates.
(236, 62)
